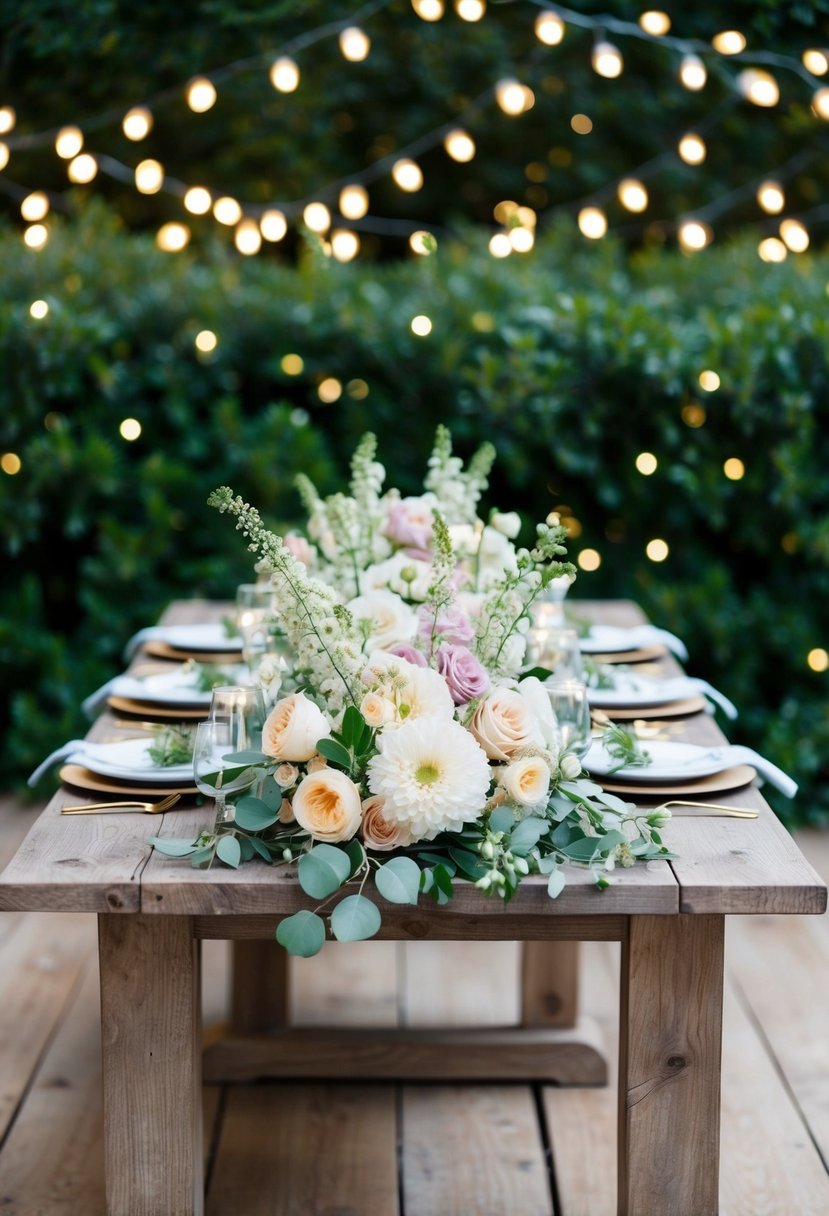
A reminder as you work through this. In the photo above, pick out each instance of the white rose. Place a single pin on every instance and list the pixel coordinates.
(569, 766)
(389, 621)
(506, 522)
(503, 724)
(538, 699)
(327, 804)
(527, 781)
(406, 576)
(376, 710)
(293, 728)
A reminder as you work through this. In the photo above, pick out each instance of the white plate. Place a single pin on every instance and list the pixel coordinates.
(609, 639)
(631, 691)
(670, 762)
(129, 760)
(170, 687)
(209, 636)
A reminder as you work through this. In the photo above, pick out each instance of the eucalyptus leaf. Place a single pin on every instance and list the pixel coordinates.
(261, 848)
(356, 855)
(335, 752)
(469, 863)
(271, 794)
(355, 918)
(302, 934)
(526, 835)
(502, 819)
(323, 871)
(253, 814)
(556, 883)
(398, 880)
(172, 848)
(229, 851)
(247, 757)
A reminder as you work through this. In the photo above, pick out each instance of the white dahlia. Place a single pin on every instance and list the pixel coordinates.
(432, 776)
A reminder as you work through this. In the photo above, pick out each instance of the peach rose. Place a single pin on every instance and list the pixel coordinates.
(503, 724)
(293, 728)
(286, 775)
(286, 812)
(327, 804)
(376, 710)
(380, 833)
(316, 763)
(527, 780)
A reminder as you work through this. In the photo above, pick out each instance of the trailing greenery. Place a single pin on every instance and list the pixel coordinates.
(571, 360)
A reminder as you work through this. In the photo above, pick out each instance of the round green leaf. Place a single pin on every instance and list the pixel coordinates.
(398, 880)
(302, 934)
(229, 851)
(271, 794)
(172, 848)
(354, 919)
(253, 814)
(323, 870)
(556, 883)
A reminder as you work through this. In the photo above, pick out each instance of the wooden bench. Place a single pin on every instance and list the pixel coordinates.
(154, 912)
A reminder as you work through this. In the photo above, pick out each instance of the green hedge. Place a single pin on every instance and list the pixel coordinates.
(572, 360)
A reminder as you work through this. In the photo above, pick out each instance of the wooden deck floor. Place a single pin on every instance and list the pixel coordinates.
(343, 1150)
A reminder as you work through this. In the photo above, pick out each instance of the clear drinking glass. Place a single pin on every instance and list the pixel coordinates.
(255, 611)
(214, 741)
(571, 707)
(242, 712)
(559, 650)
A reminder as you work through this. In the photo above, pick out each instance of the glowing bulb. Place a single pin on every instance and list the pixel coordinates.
(693, 73)
(201, 95)
(772, 249)
(7, 120)
(407, 175)
(470, 10)
(820, 102)
(197, 200)
(527, 217)
(632, 194)
(82, 169)
(329, 390)
(794, 236)
(582, 124)
(771, 198)
(514, 97)
(500, 246)
(284, 75)
(693, 415)
(549, 28)
(729, 42)
(816, 62)
(592, 223)
(35, 206)
(35, 236)
(354, 44)
(68, 142)
(149, 176)
(206, 341)
(734, 469)
(130, 429)
(760, 88)
(273, 225)
(4, 155)
(345, 245)
(646, 463)
(692, 149)
(657, 549)
(693, 235)
(817, 659)
(292, 365)
(428, 10)
(709, 381)
(247, 238)
(137, 123)
(589, 560)
(38, 309)
(353, 202)
(227, 211)
(421, 325)
(422, 243)
(521, 239)
(460, 146)
(172, 238)
(10, 463)
(607, 60)
(317, 217)
(655, 22)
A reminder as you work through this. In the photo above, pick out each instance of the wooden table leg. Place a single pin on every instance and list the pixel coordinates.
(260, 995)
(150, 1011)
(549, 984)
(669, 1066)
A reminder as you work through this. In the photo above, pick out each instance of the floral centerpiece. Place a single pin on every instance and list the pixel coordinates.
(410, 746)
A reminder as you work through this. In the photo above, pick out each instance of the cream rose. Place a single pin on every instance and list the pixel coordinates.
(293, 728)
(386, 619)
(376, 710)
(380, 833)
(286, 812)
(316, 764)
(503, 723)
(527, 780)
(327, 804)
(286, 775)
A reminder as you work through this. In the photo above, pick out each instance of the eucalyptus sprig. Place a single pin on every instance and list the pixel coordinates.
(171, 745)
(623, 746)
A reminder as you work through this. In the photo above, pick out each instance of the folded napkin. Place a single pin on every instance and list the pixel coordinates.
(171, 634)
(87, 752)
(130, 686)
(735, 753)
(153, 633)
(639, 635)
(681, 686)
(96, 700)
(60, 753)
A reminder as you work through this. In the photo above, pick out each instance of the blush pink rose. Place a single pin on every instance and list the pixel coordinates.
(299, 548)
(415, 657)
(409, 523)
(465, 677)
(452, 626)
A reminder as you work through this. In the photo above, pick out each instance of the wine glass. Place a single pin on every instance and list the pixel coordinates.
(214, 741)
(242, 712)
(255, 612)
(559, 650)
(571, 707)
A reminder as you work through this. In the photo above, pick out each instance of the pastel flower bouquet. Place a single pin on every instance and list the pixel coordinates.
(410, 747)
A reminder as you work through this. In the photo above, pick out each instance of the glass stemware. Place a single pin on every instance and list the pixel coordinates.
(571, 707)
(214, 741)
(242, 711)
(255, 611)
(559, 650)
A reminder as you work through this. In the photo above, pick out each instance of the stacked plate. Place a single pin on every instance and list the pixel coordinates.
(125, 767)
(208, 642)
(167, 695)
(640, 696)
(676, 770)
(608, 644)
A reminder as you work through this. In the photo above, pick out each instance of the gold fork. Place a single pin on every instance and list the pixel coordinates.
(718, 809)
(145, 808)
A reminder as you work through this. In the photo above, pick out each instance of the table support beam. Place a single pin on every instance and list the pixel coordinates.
(549, 984)
(260, 987)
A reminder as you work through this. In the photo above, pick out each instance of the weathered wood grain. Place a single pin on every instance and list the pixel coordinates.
(550, 984)
(260, 987)
(440, 924)
(464, 983)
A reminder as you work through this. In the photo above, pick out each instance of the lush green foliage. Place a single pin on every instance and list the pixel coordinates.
(570, 360)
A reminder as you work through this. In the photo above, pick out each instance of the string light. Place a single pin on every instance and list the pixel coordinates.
(407, 175)
(247, 238)
(284, 75)
(4, 155)
(694, 236)
(709, 381)
(581, 124)
(354, 44)
(358, 389)
(589, 560)
(470, 10)
(8, 118)
(421, 325)
(817, 658)
(428, 10)
(130, 429)
(632, 194)
(521, 239)
(137, 123)
(353, 202)
(345, 244)
(460, 146)
(68, 142)
(734, 469)
(794, 236)
(646, 463)
(317, 217)
(820, 103)
(758, 87)
(35, 206)
(816, 62)
(227, 211)
(729, 42)
(82, 169)
(273, 225)
(592, 223)
(500, 246)
(549, 28)
(206, 341)
(692, 149)
(329, 390)
(35, 236)
(607, 60)
(693, 73)
(513, 97)
(10, 463)
(693, 415)
(197, 200)
(200, 95)
(772, 249)
(657, 549)
(173, 237)
(38, 309)
(149, 176)
(655, 22)
(771, 198)
(422, 243)
(292, 365)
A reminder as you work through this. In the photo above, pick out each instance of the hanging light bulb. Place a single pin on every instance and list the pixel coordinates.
(197, 200)
(607, 60)
(172, 238)
(8, 118)
(460, 146)
(149, 176)
(427, 10)
(816, 62)
(729, 42)
(422, 243)
(632, 194)
(4, 155)
(760, 88)
(694, 235)
(201, 94)
(592, 223)
(407, 175)
(317, 217)
(354, 44)
(273, 225)
(284, 75)
(227, 211)
(35, 236)
(521, 239)
(549, 28)
(353, 201)
(500, 246)
(820, 102)
(693, 73)
(137, 123)
(68, 142)
(655, 22)
(35, 206)
(470, 10)
(772, 249)
(692, 149)
(771, 198)
(247, 238)
(514, 97)
(82, 169)
(794, 235)
(345, 245)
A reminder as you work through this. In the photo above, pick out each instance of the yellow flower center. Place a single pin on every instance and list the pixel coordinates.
(427, 774)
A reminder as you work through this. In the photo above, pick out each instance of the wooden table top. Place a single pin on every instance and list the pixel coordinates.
(104, 864)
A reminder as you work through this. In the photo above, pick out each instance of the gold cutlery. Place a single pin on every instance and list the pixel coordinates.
(145, 808)
(717, 809)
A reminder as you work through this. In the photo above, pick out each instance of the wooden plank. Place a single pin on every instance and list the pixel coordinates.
(260, 987)
(439, 924)
(473, 1153)
(549, 984)
(347, 984)
(309, 1149)
(464, 983)
(669, 1065)
(150, 1010)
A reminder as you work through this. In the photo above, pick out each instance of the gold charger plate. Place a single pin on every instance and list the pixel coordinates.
(164, 713)
(719, 783)
(81, 778)
(674, 709)
(160, 650)
(643, 654)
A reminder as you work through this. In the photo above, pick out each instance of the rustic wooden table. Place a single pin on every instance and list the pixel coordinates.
(154, 912)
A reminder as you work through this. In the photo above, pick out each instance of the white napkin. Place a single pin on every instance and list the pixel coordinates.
(153, 633)
(681, 686)
(96, 699)
(639, 635)
(735, 753)
(60, 753)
